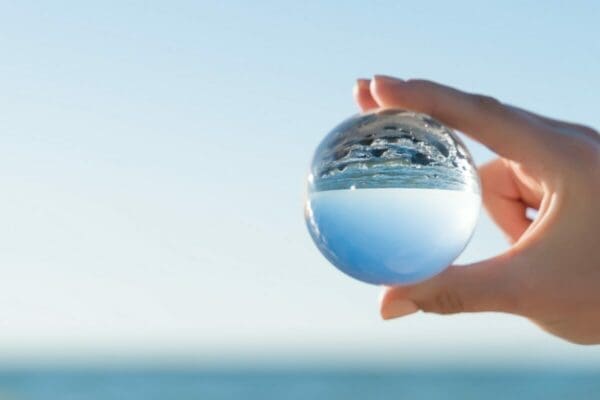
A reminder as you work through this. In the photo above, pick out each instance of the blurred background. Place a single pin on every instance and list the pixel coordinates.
(152, 166)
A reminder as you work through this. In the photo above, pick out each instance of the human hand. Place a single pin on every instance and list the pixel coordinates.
(551, 274)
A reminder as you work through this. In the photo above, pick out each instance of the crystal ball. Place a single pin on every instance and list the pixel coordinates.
(392, 197)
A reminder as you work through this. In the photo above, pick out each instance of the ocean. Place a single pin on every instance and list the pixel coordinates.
(204, 383)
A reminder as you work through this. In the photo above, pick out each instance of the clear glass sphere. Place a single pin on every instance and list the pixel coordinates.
(393, 197)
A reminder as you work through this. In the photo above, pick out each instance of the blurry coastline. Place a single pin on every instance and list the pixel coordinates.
(286, 382)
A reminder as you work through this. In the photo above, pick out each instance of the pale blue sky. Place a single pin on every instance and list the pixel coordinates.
(152, 163)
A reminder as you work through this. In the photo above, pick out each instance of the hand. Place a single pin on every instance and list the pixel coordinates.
(551, 274)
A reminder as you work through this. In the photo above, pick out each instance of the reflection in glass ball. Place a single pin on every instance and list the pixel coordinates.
(393, 197)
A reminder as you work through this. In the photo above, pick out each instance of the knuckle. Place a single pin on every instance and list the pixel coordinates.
(446, 301)
(427, 92)
(418, 83)
(583, 151)
(486, 102)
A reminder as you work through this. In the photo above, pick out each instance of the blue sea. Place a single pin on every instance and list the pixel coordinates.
(202, 383)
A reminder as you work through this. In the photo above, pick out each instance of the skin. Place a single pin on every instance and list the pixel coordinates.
(551, 273)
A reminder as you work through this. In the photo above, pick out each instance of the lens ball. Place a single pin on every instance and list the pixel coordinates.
(392, 198)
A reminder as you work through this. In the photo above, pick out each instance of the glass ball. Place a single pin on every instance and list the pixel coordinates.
(392, 198)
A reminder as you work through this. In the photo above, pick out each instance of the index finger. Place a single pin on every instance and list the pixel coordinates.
(512, 135)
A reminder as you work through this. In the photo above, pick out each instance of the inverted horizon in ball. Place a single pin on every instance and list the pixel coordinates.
(392, 197)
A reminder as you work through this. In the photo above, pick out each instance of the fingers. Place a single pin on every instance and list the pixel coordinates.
(362, 95)
(484, 286)
(502, 199)
(505, 131)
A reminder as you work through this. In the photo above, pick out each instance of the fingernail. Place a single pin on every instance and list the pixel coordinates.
(398, 308)
(362, 82)
(387, 79)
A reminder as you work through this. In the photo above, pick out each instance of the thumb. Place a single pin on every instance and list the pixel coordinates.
(484, 286)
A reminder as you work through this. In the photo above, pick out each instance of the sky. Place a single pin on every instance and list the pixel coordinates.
(153, 158)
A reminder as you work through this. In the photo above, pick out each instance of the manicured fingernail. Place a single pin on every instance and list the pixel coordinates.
(398, 308)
